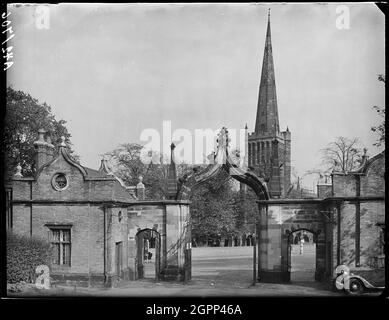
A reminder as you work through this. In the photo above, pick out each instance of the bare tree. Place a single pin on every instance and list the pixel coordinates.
(342, 155)
(380, 129)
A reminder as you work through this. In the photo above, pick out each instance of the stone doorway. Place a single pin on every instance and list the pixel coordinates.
(148, 258)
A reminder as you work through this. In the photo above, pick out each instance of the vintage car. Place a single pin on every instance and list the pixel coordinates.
(359, 279)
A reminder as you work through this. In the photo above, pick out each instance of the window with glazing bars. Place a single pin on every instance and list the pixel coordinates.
(61, 244)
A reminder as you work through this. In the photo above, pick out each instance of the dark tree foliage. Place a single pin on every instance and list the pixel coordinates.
(220, 210)
(213, 208)
(24, 117)
(248, 212)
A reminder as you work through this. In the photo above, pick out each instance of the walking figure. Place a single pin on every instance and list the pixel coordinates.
(302, 245)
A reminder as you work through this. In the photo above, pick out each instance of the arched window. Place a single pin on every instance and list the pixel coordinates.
(263, 152)
(253, 154)
(258, 152)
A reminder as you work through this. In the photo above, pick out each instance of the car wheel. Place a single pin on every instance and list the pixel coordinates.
(356, 287)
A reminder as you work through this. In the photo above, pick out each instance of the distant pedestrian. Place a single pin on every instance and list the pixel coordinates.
(302, 245)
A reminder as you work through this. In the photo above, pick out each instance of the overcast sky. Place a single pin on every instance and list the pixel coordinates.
(112, 71)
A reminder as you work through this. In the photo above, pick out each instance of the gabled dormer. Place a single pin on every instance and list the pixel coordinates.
(62, 178)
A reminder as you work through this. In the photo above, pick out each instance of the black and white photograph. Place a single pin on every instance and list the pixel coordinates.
(209, 150)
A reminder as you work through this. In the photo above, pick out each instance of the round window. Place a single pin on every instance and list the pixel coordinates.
(60, 182)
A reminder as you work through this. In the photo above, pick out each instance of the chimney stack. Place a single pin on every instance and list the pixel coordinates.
(40, 150)
(49, 149)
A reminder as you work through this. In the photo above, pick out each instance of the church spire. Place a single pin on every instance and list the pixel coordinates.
(267, 112)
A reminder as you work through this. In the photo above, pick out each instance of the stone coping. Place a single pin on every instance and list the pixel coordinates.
(102, 202)
(319, 200)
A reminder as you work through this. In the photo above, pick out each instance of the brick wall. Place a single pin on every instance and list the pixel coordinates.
(371, 211)
(86, 232)
(77, 190)
(344, 185)
(21, 219)
(373, 182)
(117, 232)
(347, 234)
(21, 189)
(324, 190)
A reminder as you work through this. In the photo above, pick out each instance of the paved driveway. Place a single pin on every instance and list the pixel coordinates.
(215, 272)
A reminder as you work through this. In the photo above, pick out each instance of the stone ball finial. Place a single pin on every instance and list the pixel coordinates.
(41, 138)
(140, 189)
(18, 173)
(63, 144)
(41, 134)
(140, 185)
(49, 142)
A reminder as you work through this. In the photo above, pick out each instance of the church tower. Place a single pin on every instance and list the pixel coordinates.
(269, 149)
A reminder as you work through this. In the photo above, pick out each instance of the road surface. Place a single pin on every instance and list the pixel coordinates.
(216, 271)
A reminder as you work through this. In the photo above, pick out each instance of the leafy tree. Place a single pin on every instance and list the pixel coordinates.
(380, 129)
(247, 212)
(213, 208)
(25, 115)
(342, 155)
(128, 166)
(127, 162)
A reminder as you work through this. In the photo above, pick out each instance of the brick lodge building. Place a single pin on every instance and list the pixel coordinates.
(95, 224)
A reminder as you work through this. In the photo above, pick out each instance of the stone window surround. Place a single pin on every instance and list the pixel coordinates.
(54, 183)
(61, 227)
